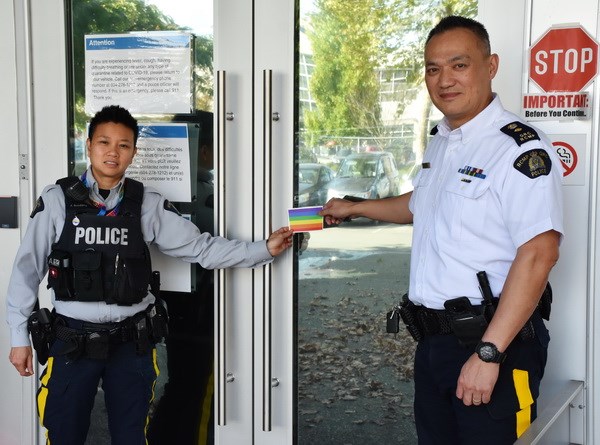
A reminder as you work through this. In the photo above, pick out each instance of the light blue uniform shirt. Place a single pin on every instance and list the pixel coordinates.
(172, 234)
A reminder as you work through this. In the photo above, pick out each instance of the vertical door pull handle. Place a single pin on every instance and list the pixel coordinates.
(267, 187)
(220, 275)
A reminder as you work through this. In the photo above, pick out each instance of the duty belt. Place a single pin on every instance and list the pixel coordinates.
(119, 332)
(433, 321)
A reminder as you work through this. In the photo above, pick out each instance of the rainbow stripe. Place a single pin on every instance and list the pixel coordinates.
(305, 219)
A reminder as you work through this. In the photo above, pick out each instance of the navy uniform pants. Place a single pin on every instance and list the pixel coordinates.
(443, 419)
(68, 389)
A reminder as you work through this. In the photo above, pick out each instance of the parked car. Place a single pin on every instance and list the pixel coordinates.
(313, 181)
(366, 175)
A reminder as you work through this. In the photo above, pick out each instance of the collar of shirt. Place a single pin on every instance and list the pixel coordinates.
(473, 127)
(113, 198)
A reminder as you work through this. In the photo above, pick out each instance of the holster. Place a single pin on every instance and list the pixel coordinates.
(39, 326)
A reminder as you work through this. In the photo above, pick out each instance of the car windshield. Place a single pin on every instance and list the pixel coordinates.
(309, 175)
(358, 168)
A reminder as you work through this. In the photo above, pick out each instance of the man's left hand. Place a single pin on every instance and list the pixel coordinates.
(476, 381)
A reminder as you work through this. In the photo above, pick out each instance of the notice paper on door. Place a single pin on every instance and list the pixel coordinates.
(305, 219)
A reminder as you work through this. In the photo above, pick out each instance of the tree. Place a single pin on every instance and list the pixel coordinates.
(344, 84)
(405, 30)
(351, 41)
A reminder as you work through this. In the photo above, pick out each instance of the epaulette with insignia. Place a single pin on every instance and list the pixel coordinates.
(39, 206)
(170, 207)
(520, 132)
(534, 163)
(434, 131)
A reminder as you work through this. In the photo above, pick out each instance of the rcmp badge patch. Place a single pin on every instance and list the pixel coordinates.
(521, 133)
(39, 206)
(534, 163)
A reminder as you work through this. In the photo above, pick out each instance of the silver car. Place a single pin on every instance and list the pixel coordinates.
(366, 175)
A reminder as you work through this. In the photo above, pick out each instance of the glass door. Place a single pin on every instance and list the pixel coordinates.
(308, 99)
(144, 80)
(362, 126)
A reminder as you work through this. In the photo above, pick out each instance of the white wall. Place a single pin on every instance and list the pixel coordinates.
(513, 26)
(15, 410)
(44, 139)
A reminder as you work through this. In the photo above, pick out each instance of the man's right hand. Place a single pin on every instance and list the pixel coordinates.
(337, 210)
(22, 358)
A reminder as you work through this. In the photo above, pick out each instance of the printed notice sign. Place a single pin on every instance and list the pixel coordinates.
(163, 160)
(557, 106)
(147, 73)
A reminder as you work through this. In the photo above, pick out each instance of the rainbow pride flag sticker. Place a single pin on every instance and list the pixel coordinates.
(305, 219)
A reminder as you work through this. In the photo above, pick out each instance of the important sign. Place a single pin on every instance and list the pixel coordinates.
(564, 59)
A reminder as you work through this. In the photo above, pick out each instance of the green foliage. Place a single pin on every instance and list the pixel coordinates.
(350, 42)
(345, 84)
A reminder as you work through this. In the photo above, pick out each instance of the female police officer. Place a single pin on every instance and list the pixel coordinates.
(94, 245)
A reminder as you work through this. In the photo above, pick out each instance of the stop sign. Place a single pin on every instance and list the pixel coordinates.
(563, 59)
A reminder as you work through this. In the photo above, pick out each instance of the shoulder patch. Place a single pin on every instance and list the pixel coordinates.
(520, 132)
(39, 207)
(171, 208)
(434, 131)
(534, 163)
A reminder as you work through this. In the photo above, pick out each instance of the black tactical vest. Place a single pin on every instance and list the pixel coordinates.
(101, 258)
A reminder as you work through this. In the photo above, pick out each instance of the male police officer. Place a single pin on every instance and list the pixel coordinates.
(488, 198)
(92, 234)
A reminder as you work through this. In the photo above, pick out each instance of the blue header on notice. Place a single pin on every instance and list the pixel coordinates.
(137, 42)
(163, 131)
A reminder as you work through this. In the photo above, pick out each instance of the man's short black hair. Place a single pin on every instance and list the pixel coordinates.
(454, 22)
(115, 114)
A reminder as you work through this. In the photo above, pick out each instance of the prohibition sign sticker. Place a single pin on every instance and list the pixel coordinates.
(567, 156)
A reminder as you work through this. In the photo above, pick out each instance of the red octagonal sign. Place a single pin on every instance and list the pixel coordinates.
(563, 59)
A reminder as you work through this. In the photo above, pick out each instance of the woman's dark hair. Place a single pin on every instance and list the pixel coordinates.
(117, 115)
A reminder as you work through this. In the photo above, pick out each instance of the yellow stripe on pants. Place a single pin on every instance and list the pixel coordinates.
(521, 382)
(42, 395)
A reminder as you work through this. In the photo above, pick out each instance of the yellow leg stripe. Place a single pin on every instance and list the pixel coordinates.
(43, 391)
(157, 371)
(206, 411)
(521, 382)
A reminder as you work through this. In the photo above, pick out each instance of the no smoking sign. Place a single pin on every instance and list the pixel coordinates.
(567, 155)
(572, 153)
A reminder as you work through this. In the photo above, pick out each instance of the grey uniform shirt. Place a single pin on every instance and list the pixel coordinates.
(173, 235)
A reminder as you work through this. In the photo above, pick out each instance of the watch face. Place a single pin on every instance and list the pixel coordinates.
(487, 353)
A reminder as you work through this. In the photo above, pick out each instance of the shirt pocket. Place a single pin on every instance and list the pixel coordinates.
(467, 209)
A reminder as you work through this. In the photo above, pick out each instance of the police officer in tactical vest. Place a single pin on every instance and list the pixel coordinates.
(91, 235)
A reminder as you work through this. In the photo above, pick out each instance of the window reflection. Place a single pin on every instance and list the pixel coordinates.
(360, 94)
(182, 408)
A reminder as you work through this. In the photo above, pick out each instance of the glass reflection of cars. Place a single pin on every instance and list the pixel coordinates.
(313, 181)
(366, 175)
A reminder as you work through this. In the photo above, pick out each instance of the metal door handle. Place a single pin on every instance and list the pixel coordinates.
(220, 275)
(267, 165)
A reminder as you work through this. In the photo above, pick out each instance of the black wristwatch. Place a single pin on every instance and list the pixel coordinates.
(488, 352)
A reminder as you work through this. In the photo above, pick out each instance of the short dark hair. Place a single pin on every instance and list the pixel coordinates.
(454, 22)
(117, 115)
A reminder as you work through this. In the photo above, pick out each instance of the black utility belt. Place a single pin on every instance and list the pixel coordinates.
(466, 321)
(81, 339)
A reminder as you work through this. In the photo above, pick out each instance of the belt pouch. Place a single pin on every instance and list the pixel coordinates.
(87, 269)
(467, 325)
(96, 345)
